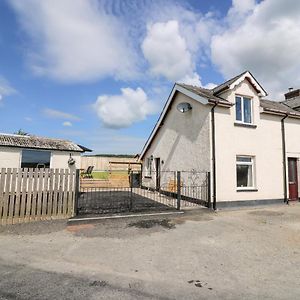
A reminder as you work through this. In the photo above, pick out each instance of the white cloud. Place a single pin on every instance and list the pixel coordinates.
(67, 124)
(192, 80)
(117, 111)
(5, 88)
(239, 9)
(266, 42)
(57, 114)
(167, 53)
(75, 40)
(80, 40)
(210, 85)
(28, 119)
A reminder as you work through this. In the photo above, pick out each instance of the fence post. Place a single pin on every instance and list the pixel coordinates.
(178, 190)
(208, 190)
(77, 192)
(130, 200)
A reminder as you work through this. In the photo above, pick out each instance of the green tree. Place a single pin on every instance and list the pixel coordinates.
(21, 132)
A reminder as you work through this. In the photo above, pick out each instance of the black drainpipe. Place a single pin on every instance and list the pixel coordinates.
(286, 200)
(213, 145)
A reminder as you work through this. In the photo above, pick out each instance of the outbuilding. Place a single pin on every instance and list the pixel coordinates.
(27, 151)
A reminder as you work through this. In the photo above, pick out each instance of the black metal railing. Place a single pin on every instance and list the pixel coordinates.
(139, 192)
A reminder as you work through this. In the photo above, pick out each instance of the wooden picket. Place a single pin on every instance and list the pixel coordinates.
(28, 195)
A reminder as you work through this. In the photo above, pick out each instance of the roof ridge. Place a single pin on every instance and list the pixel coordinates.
(233, 78)
(192, 85)
(38, 142)
(34, 136)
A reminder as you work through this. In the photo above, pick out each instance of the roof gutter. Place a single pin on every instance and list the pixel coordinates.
(220, 103)
(281, 112)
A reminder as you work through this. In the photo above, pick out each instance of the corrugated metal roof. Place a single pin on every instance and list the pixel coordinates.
(35, 142)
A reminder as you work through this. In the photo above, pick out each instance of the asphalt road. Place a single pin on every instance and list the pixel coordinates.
(242, 254)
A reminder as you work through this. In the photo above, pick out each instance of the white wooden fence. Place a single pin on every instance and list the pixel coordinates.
(28, 195)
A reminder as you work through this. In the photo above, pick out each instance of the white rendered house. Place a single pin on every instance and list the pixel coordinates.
(250, 145)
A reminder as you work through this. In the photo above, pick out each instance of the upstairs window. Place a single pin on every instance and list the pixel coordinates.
(35, 159)
(243, 109)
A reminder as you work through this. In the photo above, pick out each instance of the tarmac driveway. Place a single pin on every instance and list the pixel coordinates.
(242, 254)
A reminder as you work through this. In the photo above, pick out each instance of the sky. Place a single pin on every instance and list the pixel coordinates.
(98, 72)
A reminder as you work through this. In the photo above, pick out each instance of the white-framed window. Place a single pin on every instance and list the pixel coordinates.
(245, 172)
(243, 110)
(149, 166)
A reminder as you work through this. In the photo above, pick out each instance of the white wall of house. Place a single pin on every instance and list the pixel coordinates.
(59, 159)
(293, 143)
(264, 143)
(10, 157)
(183, 141)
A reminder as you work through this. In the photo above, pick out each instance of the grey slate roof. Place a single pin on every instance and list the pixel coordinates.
(293, 103)
(284, 107)
(275, 106)
(35, 142)
(267, 105)
(227, 83)
(206, 93)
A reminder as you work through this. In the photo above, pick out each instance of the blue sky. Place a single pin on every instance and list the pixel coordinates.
(99, 72)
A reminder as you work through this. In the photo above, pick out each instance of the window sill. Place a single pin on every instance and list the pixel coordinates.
(247, 190)
(245, 125)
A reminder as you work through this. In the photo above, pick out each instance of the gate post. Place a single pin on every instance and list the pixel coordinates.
(77, 189)
(178, 190)
(208, 190)
(130, 181)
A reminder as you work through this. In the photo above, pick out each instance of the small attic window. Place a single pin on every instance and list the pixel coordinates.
(243, 109)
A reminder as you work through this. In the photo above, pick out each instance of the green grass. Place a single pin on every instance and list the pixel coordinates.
(100, 175)
(105, 174)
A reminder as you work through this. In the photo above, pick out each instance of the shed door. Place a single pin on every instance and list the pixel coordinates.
(293, 178)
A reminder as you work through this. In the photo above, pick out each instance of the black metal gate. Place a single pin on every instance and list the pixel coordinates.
(177, 190)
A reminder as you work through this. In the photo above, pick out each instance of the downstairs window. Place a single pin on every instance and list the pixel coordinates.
(149, 166)
(245, 172)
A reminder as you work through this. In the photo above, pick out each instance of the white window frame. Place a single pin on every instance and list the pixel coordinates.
(243, 163)
(149, 166)
(242, 109)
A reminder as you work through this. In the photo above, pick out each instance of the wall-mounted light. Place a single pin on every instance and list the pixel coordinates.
(71, 160)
